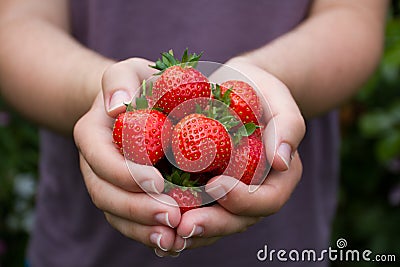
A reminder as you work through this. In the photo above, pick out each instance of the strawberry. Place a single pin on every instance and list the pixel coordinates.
(179, 82)
(181, 187)
(140, 135)
(186, 198)
(117, 130)
(249, 161)
(243, 100)
(201, 144)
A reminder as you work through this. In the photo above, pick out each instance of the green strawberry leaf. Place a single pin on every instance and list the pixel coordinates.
(216, 91)
(226, 98)
(250, 128)
(168, 60)
(141, 103)
(185, 56)
(129, 107)
(246, 130)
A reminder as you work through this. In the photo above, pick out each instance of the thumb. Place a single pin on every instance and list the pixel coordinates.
(122, 82)
(282, 136)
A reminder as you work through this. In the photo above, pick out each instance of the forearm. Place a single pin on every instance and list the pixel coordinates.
(328, 57)
(44, 73)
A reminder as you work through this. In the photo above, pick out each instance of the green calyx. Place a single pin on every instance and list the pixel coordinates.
(168, 60)
(218, 108)
(225, 97)
(180, 178)
(245, 130)
(223, 115)
(141, 101)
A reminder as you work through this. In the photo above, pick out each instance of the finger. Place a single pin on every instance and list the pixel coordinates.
(141, 208)
(287, 129)
(213, 221)
(185, 244)
(240, 199)
(180, 244)
(160, 237)
(285, 124)
(122, 81)
(99, 151)
(161, 253)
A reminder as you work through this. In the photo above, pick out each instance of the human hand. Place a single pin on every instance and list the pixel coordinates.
(240, 205)
(129, 205)
(120, 77)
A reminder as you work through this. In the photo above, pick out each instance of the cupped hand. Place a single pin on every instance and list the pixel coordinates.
(240, 205)
(127, 196)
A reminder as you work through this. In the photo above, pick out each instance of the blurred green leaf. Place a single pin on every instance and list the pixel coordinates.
(374, 124)
(389, 146)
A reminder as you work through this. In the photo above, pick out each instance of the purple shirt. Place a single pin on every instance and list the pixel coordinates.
(70, 231)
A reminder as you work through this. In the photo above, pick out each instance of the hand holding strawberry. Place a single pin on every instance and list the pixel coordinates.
(241, 206)
(108, 180)
(239, 209)
(202, 141)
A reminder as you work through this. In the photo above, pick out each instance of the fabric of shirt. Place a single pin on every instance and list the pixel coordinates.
(70, 231)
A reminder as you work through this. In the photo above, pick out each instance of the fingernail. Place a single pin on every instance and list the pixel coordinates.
(149, 186)
(186, 244)
(155, 238)
(285, 153)
(118, 99)
(175, 255)
(160, 253)
(196, 231)
(163, 218)
(218, 192)
(163, 254)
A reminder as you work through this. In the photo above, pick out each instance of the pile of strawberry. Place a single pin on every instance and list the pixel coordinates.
(192, 130)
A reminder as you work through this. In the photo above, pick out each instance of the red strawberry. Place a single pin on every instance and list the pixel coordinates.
(186, 198)
(179, 82)
(117, 130)
(201, 144)
(139, 133)
(181, 187)
(243, 100)
(249, 161)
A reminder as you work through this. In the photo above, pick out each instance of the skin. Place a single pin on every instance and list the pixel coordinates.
(313, 69)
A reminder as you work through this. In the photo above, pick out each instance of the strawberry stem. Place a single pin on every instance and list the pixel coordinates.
(141, 102)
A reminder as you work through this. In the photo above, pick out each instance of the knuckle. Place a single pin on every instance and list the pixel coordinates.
(132, 210)
(109, 71)
(299, 121)
(77, 131)
(240, 207)
(95, 193)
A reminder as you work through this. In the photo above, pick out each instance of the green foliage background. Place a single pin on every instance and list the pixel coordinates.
(368, 215)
